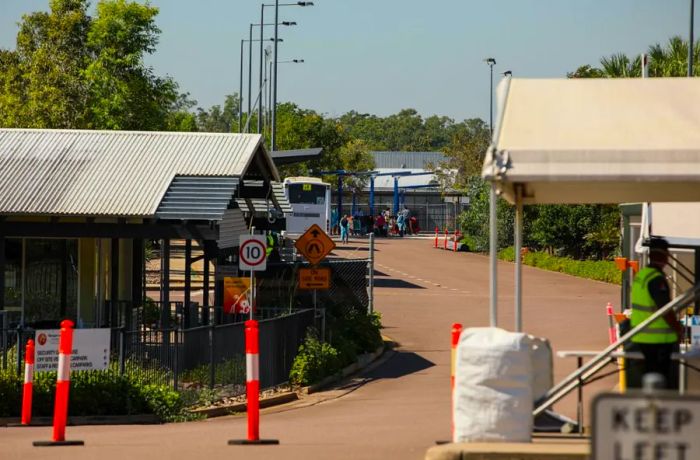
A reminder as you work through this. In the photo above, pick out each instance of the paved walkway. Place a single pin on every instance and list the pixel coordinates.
(396, 410)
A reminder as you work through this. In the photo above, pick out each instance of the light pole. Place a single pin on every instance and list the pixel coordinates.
(240, 88)
(292, 61)
(273, 133)
(691, 45)
(250, 64)
(493, 235)
(491, 62)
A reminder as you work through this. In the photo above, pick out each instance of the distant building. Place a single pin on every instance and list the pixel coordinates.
(420, 192)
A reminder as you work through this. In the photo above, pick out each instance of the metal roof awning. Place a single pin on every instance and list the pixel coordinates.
(277, 203)
(286, 157)
(197, 198)
(597, 140)
(114, 173)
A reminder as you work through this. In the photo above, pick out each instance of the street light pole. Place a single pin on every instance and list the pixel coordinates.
(491, 62)
(260, 79)
(274, 80)
(691, 44)
(240, 93)
(493, 229)
(250, 67)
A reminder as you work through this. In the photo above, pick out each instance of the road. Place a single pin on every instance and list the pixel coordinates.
(399, 408)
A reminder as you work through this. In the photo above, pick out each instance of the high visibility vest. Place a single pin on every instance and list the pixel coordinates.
(643, 306)
(270, 244)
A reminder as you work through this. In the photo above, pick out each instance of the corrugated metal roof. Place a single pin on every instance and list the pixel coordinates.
(197, 198)
(384, 183)
(406, 160)
(262, 206)
(109, 173)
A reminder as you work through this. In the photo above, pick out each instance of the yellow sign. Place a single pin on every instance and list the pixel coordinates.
(315, 278)
(314, 244)
(236, 295)
(306, 187)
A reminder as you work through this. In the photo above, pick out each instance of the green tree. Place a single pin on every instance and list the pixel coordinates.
(220, 119)
(70, 70)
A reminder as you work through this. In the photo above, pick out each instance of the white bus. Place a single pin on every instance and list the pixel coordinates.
(310, 198)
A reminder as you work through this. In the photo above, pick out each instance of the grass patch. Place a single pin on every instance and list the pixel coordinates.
(599, 270)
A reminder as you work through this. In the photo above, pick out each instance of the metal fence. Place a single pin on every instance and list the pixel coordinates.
(428, 215)
(197, 357)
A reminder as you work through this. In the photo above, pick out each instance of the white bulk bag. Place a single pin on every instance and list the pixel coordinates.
(493, 396)
(542, 368)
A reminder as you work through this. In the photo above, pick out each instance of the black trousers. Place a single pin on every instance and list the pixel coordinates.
(657, 358)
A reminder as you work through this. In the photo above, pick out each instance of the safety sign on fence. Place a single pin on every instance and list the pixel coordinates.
(236, 295)
(90, 350)
(315, 278)
(314, 244)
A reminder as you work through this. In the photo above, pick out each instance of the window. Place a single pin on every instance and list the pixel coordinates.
(307, 193)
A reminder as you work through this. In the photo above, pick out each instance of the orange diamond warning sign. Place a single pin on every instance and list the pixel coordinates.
(314, 244)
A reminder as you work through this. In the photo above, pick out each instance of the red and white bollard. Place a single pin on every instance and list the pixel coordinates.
(612, 332)
(445, 243)
(252, 366)
(454, 247)
(60, 414)
(437, 231)
(456, 331)
(27, 389)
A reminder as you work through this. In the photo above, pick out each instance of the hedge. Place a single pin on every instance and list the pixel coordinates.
(600, 270)
(93, 393)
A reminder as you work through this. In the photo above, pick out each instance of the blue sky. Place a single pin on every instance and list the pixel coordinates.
(379, 56)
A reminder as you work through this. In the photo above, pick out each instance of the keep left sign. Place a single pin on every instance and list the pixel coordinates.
(90, 350)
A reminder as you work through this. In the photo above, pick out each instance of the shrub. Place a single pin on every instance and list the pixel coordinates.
(314, 361)
(228, 372)
(93, 393)
(600, 270)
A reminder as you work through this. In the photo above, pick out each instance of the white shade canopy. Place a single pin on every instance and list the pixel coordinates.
(597, 140)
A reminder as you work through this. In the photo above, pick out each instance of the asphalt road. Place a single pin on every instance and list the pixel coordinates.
(399, 408)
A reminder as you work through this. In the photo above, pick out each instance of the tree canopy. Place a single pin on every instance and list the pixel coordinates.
(71, 70)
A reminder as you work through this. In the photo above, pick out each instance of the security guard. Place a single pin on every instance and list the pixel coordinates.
(661, 338)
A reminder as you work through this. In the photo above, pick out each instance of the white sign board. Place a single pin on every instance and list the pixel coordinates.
(649, 427)
(90, 350)
(252, 253)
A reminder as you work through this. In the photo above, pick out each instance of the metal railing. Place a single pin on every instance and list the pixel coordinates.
(601, 360)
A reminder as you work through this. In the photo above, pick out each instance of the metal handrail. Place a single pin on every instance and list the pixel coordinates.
(601, 360)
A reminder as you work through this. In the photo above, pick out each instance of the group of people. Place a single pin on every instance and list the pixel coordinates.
(401, 224)
(384, 224)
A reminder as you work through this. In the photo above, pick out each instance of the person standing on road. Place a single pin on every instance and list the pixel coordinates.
(344, 224)
(660, 339)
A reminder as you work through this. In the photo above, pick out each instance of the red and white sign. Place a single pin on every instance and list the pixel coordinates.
(90, 350)
(252, 253)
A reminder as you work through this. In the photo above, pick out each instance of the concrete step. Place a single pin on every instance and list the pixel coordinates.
(511, 451)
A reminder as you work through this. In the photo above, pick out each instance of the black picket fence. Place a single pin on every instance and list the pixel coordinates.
(205, 356)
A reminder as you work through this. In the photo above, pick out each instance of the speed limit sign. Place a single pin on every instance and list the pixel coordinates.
(251, 256)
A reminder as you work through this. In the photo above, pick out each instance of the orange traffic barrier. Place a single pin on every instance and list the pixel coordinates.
(445, 242)
(28, 388)
(456, 331)
(60, 414)
(612, 330)
(437, 231)
(252, 366)
(454, 247)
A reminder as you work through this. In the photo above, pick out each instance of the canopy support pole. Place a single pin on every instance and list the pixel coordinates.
(493, 249)
(518, 257)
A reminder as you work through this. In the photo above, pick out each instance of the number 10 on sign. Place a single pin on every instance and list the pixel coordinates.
(252, 253)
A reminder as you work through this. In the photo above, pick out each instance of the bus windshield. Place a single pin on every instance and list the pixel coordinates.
(307, 193)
